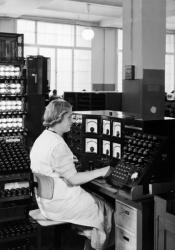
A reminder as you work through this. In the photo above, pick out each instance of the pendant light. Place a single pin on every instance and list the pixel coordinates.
(88, 33)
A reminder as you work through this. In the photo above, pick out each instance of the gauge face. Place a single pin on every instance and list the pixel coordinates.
(106, 147)
(116, 128)
(91, 145)
(106, 127)
(91, 126)
(116, 150)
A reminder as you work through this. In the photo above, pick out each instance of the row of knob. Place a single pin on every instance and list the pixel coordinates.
(144, 136)
(131, 158)
(12, 132)
(141, 143)
(14, 192)
(11, 106)
(13, 89)
(13, 158)
(136, 150)
(17, 230)
(24, 246)
(11, 123)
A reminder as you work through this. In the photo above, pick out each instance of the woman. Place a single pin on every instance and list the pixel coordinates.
(51, 156)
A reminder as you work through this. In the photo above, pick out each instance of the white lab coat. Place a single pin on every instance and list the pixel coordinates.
(51, 156)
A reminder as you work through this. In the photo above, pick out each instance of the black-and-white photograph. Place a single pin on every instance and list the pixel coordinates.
(87, 125)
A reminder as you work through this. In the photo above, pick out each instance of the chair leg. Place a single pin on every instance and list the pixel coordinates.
(57, 237)
(39, 238)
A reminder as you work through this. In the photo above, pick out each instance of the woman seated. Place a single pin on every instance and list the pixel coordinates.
(51, 156)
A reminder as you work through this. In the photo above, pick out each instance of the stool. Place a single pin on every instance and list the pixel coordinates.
(44, 188)
(44, 222)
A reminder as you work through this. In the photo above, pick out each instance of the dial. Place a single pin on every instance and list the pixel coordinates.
(91, 126)
(106, 147)
(116, 129)
(116, 150)
(90, 145)
(106, 127)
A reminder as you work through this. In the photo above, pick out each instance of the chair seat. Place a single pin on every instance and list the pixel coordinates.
(36, 215)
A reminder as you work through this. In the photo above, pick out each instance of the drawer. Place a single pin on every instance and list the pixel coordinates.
(124, 240)
(126, 217)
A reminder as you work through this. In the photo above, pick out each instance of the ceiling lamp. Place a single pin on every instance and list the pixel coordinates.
(88, 33)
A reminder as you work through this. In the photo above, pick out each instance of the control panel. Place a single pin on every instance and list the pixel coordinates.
(139, 152)
(96, 138)
(144, 158)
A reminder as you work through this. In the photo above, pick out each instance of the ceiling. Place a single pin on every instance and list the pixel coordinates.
(106, 13)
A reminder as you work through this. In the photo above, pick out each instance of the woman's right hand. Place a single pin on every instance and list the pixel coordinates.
(106, 171)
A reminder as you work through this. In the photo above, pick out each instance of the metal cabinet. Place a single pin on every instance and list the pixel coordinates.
(134, 224)
(164, 222)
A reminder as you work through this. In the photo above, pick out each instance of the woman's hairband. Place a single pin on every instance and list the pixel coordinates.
(59, 119)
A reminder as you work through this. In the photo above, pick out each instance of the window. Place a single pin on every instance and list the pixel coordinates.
(119, 65)
(70, 55)
(169, 63)
(119, 71)
(30, 51)
(28, 29)
(82, 68)
(64, 70)
(55, 34)
(169, 73)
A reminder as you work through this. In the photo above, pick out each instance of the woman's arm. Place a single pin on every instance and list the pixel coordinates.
(84, 177)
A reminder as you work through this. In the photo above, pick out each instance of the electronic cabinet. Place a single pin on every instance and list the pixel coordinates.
(17, 231)
(134, 224)
(164, 222)
(100, 100)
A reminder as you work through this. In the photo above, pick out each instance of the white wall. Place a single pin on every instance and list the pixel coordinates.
(8, 25)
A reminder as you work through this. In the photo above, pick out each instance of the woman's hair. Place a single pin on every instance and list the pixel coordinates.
(55, 112)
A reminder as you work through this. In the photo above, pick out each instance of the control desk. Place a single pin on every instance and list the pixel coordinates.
(141, 157)
(134, 220)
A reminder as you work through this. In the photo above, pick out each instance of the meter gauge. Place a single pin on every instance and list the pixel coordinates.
(91, 145)
(116, 129)
(91, 126)
(106, 127)
(106, 147)
(116, 150)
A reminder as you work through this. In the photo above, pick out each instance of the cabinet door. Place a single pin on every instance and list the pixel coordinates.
(166, 232)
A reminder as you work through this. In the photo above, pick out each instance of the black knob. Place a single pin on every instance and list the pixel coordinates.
(92, 149)
(107, 151)
(91, 129)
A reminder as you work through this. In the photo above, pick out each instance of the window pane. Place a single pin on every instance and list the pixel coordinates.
(49, 52)
(119, 87)
(28, 29)
(82, 70)
(64, 70)
(120, 39)
(80, 42)
(30, 51)
(169, 73)
(170, 43)
(55, 34)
